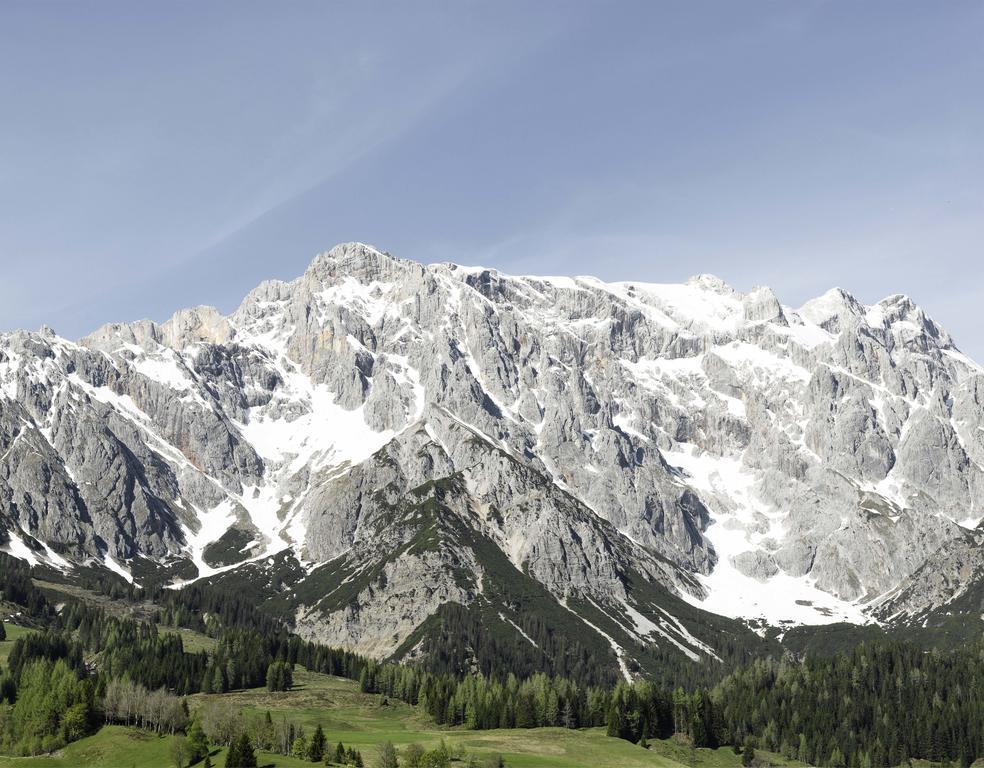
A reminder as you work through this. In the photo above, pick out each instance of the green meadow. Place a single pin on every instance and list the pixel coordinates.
(365, 721)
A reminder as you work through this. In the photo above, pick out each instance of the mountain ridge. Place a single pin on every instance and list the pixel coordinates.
(717, 446)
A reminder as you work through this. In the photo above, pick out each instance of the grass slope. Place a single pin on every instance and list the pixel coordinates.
(13, 632)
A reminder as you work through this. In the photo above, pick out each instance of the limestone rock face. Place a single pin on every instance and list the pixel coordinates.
(950, 580)
(392, 424)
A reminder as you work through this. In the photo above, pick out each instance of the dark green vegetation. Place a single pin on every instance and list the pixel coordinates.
(228, 549)
(880, 704)
(110, 660)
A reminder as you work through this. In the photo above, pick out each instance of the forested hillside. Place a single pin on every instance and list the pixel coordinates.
(87, 665)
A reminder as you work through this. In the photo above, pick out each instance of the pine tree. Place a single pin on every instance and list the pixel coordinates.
(206, 684)
(803, 752)
(316, 749)
(241, 754)
(197, 742)
(614, 720)
(748, 754)
(218, 680)
(232, 758)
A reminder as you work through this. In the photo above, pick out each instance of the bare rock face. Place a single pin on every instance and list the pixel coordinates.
(950, 580)
(597, 436)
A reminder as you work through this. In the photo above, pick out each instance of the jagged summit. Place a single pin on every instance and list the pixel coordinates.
(900, 309)
(356, 260)
(712, 283)
(428, 435)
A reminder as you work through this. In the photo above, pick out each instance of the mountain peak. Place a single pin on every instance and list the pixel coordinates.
(833, 311)
(358, 260)
(899, 302)
(899, 310)
(711, 283)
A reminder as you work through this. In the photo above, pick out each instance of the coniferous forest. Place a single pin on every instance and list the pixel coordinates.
(880, 703)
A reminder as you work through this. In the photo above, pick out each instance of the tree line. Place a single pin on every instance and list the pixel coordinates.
(878, 704)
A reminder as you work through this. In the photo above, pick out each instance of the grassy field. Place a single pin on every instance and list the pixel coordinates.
(191, 640)
(118, 747)
(13, 632)
(362, 721)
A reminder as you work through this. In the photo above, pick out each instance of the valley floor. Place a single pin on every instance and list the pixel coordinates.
(362, 721)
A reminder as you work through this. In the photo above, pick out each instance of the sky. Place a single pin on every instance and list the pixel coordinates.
(156, 156)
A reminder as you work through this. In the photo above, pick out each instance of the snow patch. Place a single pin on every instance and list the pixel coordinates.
(17, 548)
(781, 598)
(618, 649)
(704, 303)
(116, 568)
(326, 435)
(518, 629)
(213, 523)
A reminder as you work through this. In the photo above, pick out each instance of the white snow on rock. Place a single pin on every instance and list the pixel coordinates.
(837, 426)
(781, 598)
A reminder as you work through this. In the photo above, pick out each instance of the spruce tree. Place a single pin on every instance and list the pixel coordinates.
(197, 742)
(316, 749)
(232, 759)
(241, 754)
(748, 754)
(218, 680)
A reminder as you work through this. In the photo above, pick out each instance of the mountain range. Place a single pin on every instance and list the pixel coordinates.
(409, 460)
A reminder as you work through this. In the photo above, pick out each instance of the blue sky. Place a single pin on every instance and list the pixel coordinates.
(154, 156)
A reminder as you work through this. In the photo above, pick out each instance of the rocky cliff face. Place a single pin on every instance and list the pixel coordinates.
(407, 432)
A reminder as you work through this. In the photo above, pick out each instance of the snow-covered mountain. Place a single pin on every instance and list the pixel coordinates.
(378, 439)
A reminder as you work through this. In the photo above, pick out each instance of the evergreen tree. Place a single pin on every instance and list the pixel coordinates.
(197, 742)
(748, 754)
(218, 680)
(232, 758)
(316, 749)
(241, 754)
